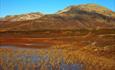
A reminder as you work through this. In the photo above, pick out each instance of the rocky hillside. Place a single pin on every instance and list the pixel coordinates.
(88, 8)
(23, 17)
(86, 16)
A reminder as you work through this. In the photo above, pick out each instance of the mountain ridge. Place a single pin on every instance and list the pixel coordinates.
(23, 17)
(71, 19)
(84, 7)
(89, 8)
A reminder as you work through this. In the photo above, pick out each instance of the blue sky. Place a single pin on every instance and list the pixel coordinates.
(13, 7)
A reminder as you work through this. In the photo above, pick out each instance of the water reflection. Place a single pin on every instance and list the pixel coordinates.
(35, 61)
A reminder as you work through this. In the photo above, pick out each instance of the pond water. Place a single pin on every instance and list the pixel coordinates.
(35, 59)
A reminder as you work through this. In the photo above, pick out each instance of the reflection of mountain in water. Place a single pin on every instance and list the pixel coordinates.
(36, 59)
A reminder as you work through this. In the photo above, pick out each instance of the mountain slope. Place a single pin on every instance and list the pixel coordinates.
(23, 17)
(71, 18)
(88, 8)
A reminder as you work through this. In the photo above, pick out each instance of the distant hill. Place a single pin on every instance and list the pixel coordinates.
(89, 8)
(23, 17)
(86, 16)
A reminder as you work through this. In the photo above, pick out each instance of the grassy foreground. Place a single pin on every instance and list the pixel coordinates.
(88, 58)
(55, 50)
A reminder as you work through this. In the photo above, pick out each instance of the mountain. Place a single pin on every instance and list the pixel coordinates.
(86, 16)
(88, 8)
(23, 17)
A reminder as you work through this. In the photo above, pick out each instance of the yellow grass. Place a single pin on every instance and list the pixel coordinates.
(83, 56)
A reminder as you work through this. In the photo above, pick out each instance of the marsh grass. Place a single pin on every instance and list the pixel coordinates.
(52, 58)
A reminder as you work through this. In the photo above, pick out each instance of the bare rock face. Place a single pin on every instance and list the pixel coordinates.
(23, 17)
